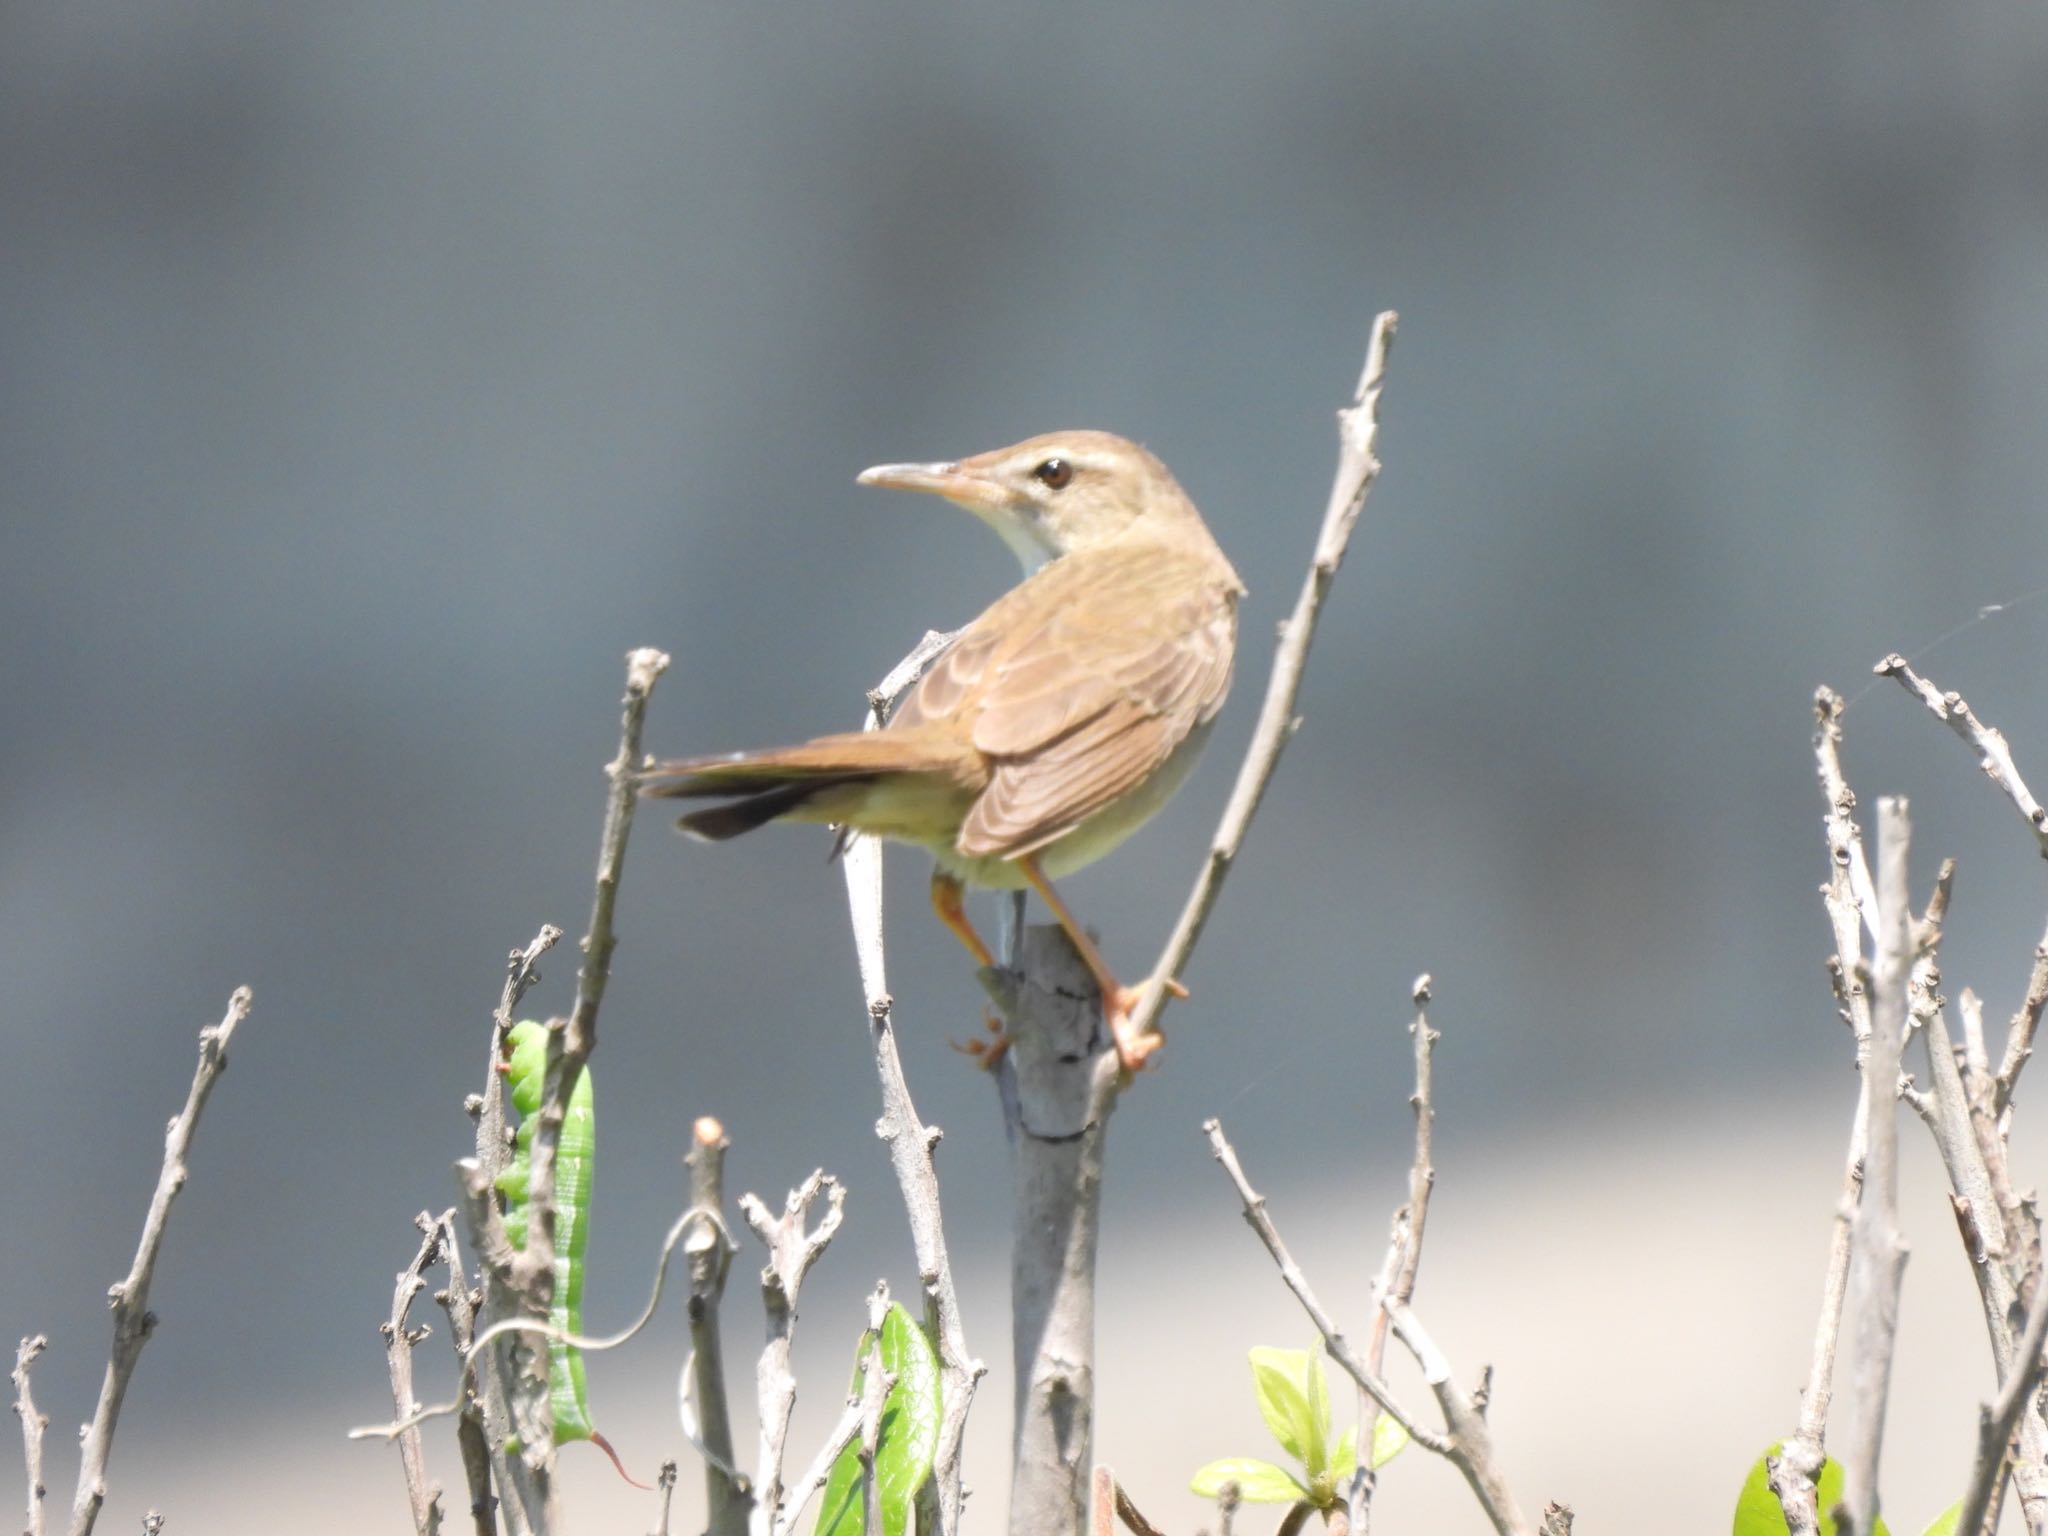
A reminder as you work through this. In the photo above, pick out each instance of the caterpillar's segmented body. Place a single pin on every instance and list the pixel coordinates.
(526, 1077)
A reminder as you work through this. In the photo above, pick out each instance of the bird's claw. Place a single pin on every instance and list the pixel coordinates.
(987, 1053)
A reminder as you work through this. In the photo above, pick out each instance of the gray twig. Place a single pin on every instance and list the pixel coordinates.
(1877, 1255)
(129, 1297)
(1396, 1281)
(459, 1302)
(1997, 1419)
(535, 1268)
(665, 1493)
(1358, 466)
(33, 1424)
(910, 1141)
(422, 1493)
(1795, 1471)
(708, 1253)
(860, 1424)
(793, 1247)
(1993, 755)
(1339, 1346)
(1058, 1083)
(1468, 1445)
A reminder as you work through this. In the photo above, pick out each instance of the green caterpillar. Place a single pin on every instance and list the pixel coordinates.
(526, 1070)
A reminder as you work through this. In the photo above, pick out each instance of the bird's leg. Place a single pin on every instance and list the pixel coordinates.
(946, 901)
(1117, 1000)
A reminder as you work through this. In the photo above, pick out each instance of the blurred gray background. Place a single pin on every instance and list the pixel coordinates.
(373, 377)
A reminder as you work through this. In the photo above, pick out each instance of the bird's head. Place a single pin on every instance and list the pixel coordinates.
(1057, 494)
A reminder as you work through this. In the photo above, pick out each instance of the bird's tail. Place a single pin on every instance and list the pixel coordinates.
(761, 786)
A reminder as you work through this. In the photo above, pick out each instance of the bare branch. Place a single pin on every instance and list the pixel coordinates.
(1994, 1431)
(1358, 466)
(459, 1302)
(129, 1297)
(1993, 755)
(1877, 1260)
(860, 1423)
(708, 1252)
(1340, 1347)
(1471, 1441)
(1851, 900)
(399, 1339)
(910, 1141)
(33, 1424)
(2019, 1038)
(1795, 1470)
(792, 1249)
(536, 1267)
(665, 1485)
(1396, 1280)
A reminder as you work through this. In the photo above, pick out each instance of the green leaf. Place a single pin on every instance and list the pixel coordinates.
(1317, 1460)
(1389, 1440)
(1758, 1512)
(1278, 1376)
(909, 1434)
(1258, 1482)
(1945, 1522)
(1344, 1460)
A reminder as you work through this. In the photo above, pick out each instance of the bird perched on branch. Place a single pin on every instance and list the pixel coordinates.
(1055, 723)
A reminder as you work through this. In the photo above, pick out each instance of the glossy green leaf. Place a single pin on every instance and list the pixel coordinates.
(1389, 1440)
(909, 1434)
(1317, 1458)
(1758, 1512)
(1258, 1482)
(1279, 1376)
(1945, 1522)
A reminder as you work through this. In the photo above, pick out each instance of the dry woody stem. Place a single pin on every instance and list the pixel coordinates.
(399, 1339)
(33, 1423)
(707, 1251)
(909, 1140)
(129, 1297)
(1358, 466)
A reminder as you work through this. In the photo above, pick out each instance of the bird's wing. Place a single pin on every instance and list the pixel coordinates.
(1080, 684)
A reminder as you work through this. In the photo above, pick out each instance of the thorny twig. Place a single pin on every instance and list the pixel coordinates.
(129, 1297)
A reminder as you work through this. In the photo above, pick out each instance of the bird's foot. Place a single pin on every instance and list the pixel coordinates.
(1133, 1049)
(986, 1052)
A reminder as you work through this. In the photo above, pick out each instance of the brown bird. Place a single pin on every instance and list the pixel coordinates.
(1056, 722)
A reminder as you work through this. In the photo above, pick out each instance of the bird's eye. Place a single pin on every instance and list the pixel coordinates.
(1054, 474)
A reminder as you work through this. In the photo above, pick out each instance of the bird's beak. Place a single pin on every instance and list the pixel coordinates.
(972, 486)
(958, 483)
